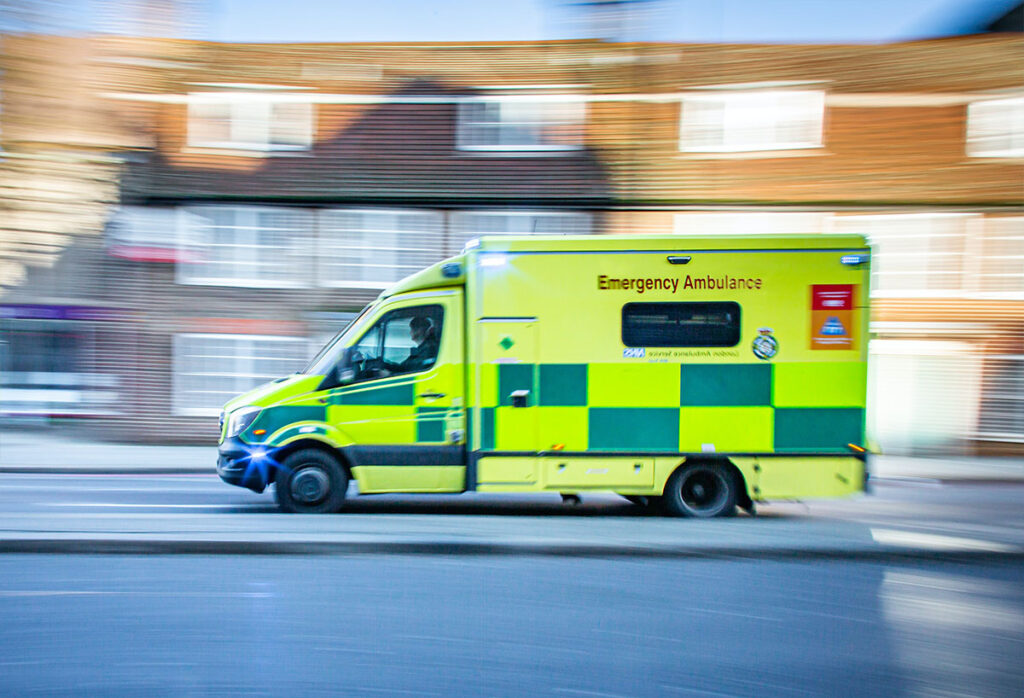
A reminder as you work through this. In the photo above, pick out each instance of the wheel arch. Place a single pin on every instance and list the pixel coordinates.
(743, 499)
(282, 452)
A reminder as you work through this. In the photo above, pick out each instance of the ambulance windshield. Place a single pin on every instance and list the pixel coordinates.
(325, 360)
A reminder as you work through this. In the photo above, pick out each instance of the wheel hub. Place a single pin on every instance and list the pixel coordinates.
(310, 485)
(702, 490)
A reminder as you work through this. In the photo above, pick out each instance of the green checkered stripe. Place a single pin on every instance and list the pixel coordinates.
(740, 408)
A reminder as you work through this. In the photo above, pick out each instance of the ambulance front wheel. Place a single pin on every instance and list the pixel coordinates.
(701, 490)
(310, 482)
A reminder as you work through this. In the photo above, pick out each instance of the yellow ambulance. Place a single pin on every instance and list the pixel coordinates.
(695, 374)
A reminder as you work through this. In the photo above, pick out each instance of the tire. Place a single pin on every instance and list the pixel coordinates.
(310, 482)
(701, 490)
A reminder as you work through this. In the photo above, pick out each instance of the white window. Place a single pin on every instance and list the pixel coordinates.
(372, 248)
(732, 121)
(697, 223)
(258, 246)
(1001, 271)
(210, 369)
(144, 233)
(1002, 399)
(995, 128)
(521, 122)
(247, 122)
(914, 254)
(467, 225)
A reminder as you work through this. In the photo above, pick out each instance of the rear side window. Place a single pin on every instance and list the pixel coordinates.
(681, 324)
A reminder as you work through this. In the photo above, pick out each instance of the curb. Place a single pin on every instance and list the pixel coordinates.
(114, 546)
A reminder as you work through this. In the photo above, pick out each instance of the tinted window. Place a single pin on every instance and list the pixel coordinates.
(403, 341)
(681, 324)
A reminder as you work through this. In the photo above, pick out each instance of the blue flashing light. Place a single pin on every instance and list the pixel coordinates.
(854, 260)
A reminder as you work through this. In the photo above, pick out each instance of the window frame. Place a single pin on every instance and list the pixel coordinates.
(245, 218)
(731, 101)
(386, 317)
(178, 404)
(736, 329)
(459, 233)
(248, 112)
(542, 119)
(1012, 132)
(330, 235)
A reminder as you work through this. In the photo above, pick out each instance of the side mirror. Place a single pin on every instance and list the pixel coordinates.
(343, 372)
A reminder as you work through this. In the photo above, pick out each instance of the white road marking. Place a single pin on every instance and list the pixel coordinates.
(123, 505)
(85, 592)
(932, 541)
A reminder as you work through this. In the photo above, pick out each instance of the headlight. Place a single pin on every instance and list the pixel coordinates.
(240, 419)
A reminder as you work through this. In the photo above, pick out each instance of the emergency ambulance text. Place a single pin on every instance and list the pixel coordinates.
(702, 283)
(639, 285)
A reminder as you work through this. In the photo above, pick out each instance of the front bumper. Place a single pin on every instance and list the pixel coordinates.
(236, 465)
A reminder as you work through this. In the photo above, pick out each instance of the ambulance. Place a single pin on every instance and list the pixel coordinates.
(696, 375)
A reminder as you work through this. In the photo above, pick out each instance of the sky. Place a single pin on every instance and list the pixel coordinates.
(782, 21)
(658, 20)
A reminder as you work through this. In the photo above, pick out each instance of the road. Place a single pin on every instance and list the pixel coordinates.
(793, 602)
(983, 516)
(506, 625)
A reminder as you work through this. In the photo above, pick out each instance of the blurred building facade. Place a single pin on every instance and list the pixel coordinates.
(264, 193)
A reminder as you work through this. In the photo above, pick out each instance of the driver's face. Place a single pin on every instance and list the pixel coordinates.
(417, 333)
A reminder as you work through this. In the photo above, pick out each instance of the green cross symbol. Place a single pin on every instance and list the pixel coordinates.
(506, 343)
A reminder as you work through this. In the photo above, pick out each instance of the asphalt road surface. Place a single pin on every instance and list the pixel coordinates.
(508, 624)
(496, 626)
(982, 512)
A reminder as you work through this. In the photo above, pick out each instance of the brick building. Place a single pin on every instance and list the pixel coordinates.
(268, 190)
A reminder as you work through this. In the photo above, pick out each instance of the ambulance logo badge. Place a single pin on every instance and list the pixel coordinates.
(765, 346)
(506, 343)
(833, 327)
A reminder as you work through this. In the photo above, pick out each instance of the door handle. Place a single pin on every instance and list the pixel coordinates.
(519, 397)
(432, 396)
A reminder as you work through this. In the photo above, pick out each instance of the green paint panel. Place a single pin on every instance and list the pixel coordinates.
(430, 423)
(487, 429)
(563, 385)
(274, 418)
(821, 384)
(827, 429)
(384, 395)
(710, 385)
(515, 377)
(633, 429)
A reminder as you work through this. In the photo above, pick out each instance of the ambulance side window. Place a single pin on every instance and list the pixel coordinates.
(405, 340)
(698, 324)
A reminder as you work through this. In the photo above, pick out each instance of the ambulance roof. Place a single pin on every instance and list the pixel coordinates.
(452, 271)
(668, 243)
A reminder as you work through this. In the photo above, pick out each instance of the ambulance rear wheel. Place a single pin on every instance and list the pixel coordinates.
(701, 490)
(310, 482)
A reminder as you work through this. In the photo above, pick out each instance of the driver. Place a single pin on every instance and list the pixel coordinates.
(424, 353)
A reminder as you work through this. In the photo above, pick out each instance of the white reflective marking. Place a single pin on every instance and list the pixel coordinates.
(149, 506)
(932, 541)
(85, 592)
